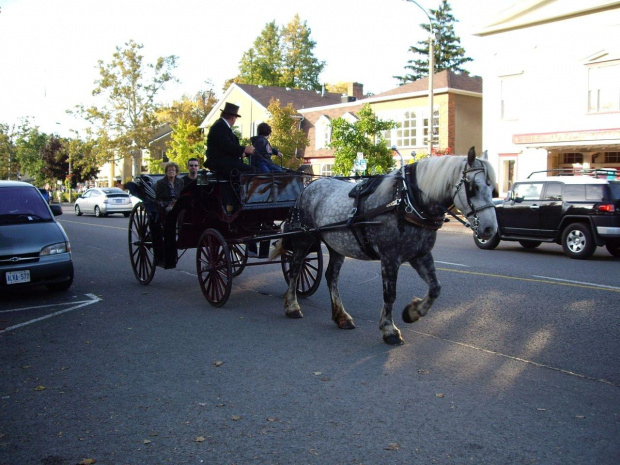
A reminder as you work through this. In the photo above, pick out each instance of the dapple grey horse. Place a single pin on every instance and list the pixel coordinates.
(395, 221)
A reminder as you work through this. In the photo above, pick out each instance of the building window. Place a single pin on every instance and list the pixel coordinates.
(604, 87)
(322, 133)
(411, 130)
(612, 157)
(570, 158)
(326, 170)
(435, 129)
(511, 95)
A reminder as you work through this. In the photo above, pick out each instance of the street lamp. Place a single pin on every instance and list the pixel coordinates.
(430, 77)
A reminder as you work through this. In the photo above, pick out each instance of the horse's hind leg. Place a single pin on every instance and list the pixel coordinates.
(339, 315)
(391, 334)
(417, 308)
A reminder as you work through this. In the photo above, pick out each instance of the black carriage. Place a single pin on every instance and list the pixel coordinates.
(220, 218)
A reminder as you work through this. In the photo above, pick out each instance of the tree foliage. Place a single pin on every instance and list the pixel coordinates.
(7, 153)
(127, 89)
(186, 143)
(282, 57)
(447, 51)
(193, 109)
(286, 135)
(364, 135)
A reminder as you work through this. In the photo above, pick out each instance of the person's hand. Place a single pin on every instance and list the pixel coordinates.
(249, 150)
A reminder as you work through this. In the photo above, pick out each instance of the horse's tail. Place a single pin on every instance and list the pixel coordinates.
(278, 250)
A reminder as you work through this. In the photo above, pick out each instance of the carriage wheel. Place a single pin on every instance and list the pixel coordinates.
(214, 268)
(239, 257)
(141, 245)
(310, 274)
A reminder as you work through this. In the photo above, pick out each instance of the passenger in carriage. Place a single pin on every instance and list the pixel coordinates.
(192, 168)
(261, 159)
(224, 153)
(167, 189)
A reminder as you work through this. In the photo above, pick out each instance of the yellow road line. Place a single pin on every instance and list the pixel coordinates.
(534, 280)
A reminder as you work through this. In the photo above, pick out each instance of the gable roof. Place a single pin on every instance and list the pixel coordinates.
(297, 97)
(442, 80)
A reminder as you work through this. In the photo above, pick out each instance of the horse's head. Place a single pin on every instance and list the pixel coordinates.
(473, 195)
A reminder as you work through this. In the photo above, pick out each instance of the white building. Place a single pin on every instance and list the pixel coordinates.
(551, 96)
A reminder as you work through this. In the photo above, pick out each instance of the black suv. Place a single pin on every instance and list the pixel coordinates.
(579, 212)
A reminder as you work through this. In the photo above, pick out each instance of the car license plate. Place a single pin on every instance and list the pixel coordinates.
(15, 277)
(118, 200)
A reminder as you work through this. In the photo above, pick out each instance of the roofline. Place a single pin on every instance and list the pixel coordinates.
(387, 98)
(498, 25)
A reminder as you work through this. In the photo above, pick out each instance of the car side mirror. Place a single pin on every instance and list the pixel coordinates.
(56, 209)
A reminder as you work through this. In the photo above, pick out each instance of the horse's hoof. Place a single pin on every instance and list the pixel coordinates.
(295, 314)
(407, 318)
(346, 324)
(393, 339)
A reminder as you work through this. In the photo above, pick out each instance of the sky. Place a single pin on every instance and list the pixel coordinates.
(49, 49)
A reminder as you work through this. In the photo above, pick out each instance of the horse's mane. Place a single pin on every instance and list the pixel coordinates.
(437, 175)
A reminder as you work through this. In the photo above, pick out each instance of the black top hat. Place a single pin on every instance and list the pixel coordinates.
(231, 109)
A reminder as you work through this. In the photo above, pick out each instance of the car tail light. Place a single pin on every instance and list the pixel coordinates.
(106, 200)
(607, 207)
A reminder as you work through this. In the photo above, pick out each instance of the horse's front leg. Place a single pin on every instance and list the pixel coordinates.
(391, 334)
(417, 308)
(291, 306)
(339, 315)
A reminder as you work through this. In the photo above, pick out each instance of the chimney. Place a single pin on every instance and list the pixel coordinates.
(355, 89)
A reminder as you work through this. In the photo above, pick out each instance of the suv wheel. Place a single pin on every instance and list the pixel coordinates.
(577, 241)
(530, 244)
(613, 248)
(488, 244)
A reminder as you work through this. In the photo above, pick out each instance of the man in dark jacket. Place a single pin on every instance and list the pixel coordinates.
(224, 153)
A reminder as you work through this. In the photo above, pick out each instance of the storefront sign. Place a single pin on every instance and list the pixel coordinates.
(569, 136)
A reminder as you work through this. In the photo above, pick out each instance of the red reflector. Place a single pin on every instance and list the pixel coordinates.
(606, 208)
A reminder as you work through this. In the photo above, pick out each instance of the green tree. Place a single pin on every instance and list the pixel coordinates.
(281, 57)
(193, 109)
(447, 51)
(261, 64)
(301, 68)
(8, 153)
(286, 135)
(128, 89)
(55, 159)
(29, 144)
(364, 135)
(186, 143)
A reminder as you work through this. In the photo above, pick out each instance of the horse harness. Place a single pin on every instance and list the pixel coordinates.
(407, 200)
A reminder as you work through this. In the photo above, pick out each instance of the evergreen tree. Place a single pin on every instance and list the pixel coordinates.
(261, 65)
(283, 58)
(301, 68)
(447, 51)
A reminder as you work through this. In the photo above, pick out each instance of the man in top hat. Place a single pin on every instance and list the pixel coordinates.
(224, 153)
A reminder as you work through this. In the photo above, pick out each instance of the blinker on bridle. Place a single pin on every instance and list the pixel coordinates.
(469, 194)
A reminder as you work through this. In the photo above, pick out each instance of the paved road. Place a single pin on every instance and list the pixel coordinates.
(511, 366)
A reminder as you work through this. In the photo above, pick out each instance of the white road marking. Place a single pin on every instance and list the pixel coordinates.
(74, 306)
(453, 264)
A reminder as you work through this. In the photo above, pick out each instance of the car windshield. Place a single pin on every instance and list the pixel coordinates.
(22, 205)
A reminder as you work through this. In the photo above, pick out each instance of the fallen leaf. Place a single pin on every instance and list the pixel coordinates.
(541, 409)
(25, 367)
(220, 405)
(219, 363)
(392, 446)
(440, 395)
(147, 441)
(87, 462)
(272, 419)
(317, 373)
(325, 379)
(199, 439)
(40, 388)
(235, 418)
(423, 372)
(580, 416)
(202, 404)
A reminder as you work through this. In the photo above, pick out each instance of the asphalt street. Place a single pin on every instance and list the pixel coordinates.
(515, 364)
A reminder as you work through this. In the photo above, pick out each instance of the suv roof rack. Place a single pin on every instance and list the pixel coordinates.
(608, 173)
